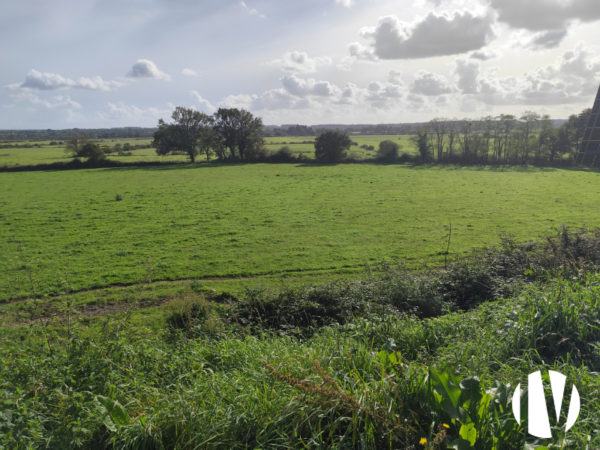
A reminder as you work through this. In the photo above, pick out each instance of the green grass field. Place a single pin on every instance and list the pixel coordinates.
(41, 152)
(66, 230)
(96, 350)
(304, 146)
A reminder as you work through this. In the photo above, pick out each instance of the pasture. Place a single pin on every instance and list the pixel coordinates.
(26, 153)
(243, 305)
(74, 230)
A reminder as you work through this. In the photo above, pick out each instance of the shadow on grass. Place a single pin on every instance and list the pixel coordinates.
(111, 165)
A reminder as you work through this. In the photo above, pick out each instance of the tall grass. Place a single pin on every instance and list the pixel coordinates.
(380, 381)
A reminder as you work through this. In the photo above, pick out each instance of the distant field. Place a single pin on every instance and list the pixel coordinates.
(41, 152)
(305, 145)
(66, 230)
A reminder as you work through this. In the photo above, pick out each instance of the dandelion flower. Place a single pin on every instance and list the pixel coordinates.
(423, 441)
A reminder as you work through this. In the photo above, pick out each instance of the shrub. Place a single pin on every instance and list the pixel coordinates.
(187, 316)
(388, 151)
(283, 155)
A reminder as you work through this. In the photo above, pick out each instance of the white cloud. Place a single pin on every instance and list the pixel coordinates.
(311, 95)
(55, 102)
(144, 68)
(468, 74)
(430, 84)
(47, 81)
(302, 87)
(252, 11)
(131, 114)
(395, 78)
(189, 73)
(435, 35)
(573, 78)
(271, 100)
(483, 55)
(380, 95)
(542, 15)
(276, 99)
(297, 61)
(243, 101)
(204, 105)
(346, 3)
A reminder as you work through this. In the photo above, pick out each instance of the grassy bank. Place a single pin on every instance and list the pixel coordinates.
(401, 359)
(380, 381)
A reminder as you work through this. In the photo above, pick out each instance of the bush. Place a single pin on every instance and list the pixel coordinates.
(388, 151)
(302, 310)
(92, 151)
(483, 276)
(283, 155)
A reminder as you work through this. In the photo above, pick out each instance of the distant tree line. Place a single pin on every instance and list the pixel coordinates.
(232, 134)
(505, 139)
(289, 130)
(364, 129)
(91, 133)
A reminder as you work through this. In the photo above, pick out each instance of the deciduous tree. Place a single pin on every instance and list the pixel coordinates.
(332, 146)
(189, 134)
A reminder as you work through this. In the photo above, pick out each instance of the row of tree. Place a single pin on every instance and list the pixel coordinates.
(504, 139)
(229, 134)
(236, 135)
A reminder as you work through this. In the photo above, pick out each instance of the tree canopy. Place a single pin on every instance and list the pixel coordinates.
(230, 133)
(189, 134)
(331, 146)
(80, 146)
(240, 131)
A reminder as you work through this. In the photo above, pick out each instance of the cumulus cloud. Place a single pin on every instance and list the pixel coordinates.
(468, 74)
(573, 78)
(271, 100)
(275, 99)
(434, 35)
(308, 94)
(483, 55)
(395, 78)
(302, 87)
(300, 62)
(430, 84)
(243, 101)
(203, 104)
(360, 51)
(144, 68)
(543, 15)
(133, 114)
(379, 95)
(47, 81)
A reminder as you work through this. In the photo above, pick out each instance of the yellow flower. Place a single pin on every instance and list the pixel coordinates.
(423, 441)
(445, 425)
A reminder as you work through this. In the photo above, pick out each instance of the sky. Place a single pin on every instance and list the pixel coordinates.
(114, 63)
